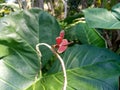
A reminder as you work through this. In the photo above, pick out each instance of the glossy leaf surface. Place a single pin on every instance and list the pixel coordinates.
(83, 55)
(19, 34)
(91, 77)
(19, 62)
(84, 34)
(102, 18)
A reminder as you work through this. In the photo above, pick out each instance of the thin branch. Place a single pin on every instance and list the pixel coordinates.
(108, 40)
(28, 4)
(40, 4)
(53, 11)
(60, 59)
(40, 55)
(65, 8)
(32, 4)
(35, 81)
(20, 4)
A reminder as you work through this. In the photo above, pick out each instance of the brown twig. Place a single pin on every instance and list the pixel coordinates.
(108, 39)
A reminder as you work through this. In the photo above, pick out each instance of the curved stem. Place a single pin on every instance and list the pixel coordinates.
(40, 55)
(60, 59)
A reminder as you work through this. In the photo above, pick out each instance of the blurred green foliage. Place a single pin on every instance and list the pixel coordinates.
(2, 1)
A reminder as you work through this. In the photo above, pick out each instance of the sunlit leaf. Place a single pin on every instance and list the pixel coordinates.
(19, 34)
(83, 55)
(102, 18)
(84, 34)
(92, 77)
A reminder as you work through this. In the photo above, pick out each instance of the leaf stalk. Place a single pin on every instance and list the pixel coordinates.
(60, 59)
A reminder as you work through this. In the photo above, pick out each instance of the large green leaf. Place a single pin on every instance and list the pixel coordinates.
(100, 76)
(18, 59)
(83, 55)
(81, 32)
(19, 34)
(48, 31)
(102, 18)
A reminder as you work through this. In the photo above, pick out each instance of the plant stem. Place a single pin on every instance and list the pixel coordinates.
(32, 4)
(35, 82)
(65, 8)
(40, 55)
(108, 40)
(60, 59)
(20, 4)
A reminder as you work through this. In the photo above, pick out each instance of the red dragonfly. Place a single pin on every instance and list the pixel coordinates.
(61, 43)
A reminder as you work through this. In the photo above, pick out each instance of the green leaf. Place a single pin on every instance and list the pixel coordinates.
(19, 62)
(88, 68)
(49, 29)
(116, 11)
(83, 55)
(100, 76)
(84, 34)
(19, 34)
(101, 18)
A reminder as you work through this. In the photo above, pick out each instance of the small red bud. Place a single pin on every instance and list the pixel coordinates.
(58, 40)
(61, 43)
(62, 33)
